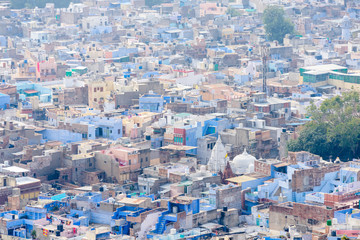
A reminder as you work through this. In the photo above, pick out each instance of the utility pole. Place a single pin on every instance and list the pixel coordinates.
(264, 58)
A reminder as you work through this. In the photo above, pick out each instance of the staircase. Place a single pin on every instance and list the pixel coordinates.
(273, 191)
(161, 227)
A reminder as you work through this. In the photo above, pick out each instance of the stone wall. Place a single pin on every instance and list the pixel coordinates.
(229, 197)
(304, 180)
(287, 214)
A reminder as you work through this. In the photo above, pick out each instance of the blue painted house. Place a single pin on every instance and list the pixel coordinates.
(151, 102)
(177, 206)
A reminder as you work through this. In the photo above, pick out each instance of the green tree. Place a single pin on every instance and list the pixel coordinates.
(151, 3)
(233, 12)
(33, 234)
(17, 4)
(276, 24)
(334, 129)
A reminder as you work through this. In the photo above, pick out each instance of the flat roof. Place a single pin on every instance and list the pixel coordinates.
(324, 67)
(15, 169)
(282, 164)
(240, 179)
(326, 87)
(132, 200)
(178, 147)
(30, 91)
(245, 178)
(173, 31)
(26, 180)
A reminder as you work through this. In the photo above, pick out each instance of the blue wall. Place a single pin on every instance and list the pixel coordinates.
(61, 135)
(341, 215)
(4, 100)
(151, 102)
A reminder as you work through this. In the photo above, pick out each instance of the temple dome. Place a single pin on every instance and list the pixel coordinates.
(243, 163)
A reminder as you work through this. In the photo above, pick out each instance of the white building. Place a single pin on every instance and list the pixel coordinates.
(218, 158)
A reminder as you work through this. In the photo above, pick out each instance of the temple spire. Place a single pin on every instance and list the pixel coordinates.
(218, 158)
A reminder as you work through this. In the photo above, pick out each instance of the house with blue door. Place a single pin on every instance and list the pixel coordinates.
(100, 127)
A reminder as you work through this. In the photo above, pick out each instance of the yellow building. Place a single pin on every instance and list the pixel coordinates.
(141, 121)
(227, 33)
(99, 91)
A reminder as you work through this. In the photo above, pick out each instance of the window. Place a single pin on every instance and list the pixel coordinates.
(129, 161)
(94, 89)
(118, 131)
(95, 99)
(146, 159)
(110, 131)
(101, 89)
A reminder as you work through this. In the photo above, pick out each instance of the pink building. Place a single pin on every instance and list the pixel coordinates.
(211, 8)
(45, 228)
(46, 70)
(119, 162)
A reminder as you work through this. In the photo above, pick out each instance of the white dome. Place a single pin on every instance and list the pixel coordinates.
(243, 163)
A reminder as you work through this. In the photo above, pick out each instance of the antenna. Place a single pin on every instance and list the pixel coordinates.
(264, 57)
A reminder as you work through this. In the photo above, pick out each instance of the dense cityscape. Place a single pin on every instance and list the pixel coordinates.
(180, 119)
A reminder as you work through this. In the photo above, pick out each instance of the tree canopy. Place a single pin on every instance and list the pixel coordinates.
(151, 3)
(276, 24)
(18, 4)
(334, 130)
(233, 12)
